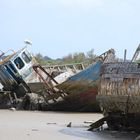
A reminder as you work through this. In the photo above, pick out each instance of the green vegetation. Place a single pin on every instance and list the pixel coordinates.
(76, 57)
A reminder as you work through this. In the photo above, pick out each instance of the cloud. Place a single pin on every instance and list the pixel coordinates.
(81, 3)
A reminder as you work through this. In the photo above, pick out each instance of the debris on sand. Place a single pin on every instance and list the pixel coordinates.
(12, 109)
(69, 125)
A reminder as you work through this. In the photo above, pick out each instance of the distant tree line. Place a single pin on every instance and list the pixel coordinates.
(76, 57)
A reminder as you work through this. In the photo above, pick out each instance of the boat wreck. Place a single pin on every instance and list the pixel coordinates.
(76, 91)
(119, 94)
(27, 85)
(82, 87)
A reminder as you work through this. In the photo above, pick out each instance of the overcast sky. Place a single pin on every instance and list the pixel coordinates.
(60, 27)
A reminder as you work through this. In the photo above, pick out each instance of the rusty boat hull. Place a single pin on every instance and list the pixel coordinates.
(82, 89)
(77, 92)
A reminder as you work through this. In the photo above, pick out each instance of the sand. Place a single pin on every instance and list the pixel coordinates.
(27, 125)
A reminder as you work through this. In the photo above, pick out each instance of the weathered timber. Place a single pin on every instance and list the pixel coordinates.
(119, 94)
(97, 124)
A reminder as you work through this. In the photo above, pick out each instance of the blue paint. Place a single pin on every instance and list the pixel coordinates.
(91, 73)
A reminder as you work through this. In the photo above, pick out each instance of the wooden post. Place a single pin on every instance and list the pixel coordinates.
(125, 52)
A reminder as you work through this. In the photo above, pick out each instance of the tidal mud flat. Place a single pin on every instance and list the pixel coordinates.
(29, 125)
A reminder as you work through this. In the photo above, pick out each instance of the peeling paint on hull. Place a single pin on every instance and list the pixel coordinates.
(82, 88)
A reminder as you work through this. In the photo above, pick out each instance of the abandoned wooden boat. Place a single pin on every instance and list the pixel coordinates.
(119, 94)
(69, 90)
(19, 75)
(16, 70)
(82, 87)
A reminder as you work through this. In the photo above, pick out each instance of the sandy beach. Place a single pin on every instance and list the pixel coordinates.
(27, 125)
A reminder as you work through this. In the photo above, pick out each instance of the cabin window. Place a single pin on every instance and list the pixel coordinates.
(26, 57)
(19, 63)
(12, 67)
